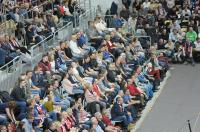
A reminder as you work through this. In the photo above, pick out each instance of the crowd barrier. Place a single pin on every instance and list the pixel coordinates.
(12, 70)
(10, 73)
(85, 4)
(84, 18)
(190, 124)
(52, 41)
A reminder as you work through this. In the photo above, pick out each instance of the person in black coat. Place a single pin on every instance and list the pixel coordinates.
(18, 93)
(119, 113)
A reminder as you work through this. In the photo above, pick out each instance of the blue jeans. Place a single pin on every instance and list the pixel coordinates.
(65, 103)
(22, 106)
(3, 120)
(52, 115)
(123, 119)
(148, 90)
(41, 92)
(77, 91)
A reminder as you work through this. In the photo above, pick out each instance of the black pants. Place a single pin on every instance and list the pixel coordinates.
(187, 58)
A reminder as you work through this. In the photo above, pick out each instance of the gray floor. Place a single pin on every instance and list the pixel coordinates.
(178, 102)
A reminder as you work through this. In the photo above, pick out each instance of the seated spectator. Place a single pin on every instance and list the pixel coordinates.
(7, 111)
(7, 46)
(93, 35)
(33, 89)
(79, 112)
(22, 51)
(58, 96)
(161, 45)
(71, 88)
(32, 36)
(186, 13)
(82, 42)
(95, 126)
(196, 49)
(3, 56)
(18, 93)
(93, 100)
(28, 123)
(45, 66)
(103, 126)
(78, 72)
(77, 52)
(68, 16)
(170, 49)
(174, 35)
(119, 113)
(117, 21)
(51, 24)
(88, 70)
(100, 26)
(64, 55)
(40, 111)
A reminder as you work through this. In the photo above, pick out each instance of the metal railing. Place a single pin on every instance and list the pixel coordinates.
(43, 47)
(84, 18)
(10, 73)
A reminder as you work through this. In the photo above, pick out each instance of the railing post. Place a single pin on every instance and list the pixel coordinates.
(189, 126)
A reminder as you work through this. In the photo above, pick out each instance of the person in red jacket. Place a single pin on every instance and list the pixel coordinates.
(134, 91)
(45, 66)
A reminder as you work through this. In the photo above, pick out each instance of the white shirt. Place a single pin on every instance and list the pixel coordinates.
(66, 9)
(146, 5)
(101, 26)
(186, 12)
(197, 45)
(74, 47)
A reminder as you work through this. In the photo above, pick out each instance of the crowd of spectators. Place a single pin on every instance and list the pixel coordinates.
(101, 79)
(35, 21)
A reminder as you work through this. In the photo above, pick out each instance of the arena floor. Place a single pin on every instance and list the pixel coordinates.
(178, 102)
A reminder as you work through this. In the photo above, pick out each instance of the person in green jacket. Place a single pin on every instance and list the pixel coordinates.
(191, 34)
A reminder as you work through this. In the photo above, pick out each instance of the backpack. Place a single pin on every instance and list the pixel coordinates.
(5, 96)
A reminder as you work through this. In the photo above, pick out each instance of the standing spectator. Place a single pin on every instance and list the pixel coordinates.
(187, 52)
(191, 35)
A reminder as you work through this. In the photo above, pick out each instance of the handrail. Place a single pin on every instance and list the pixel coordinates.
(9, 63)
(52, 35)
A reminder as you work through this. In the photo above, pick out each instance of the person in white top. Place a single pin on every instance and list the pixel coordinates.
(100, 25)
(71, 88)
(197, 45)
(186, 12)
(170, 3)
(146, 4)
(76, 51)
